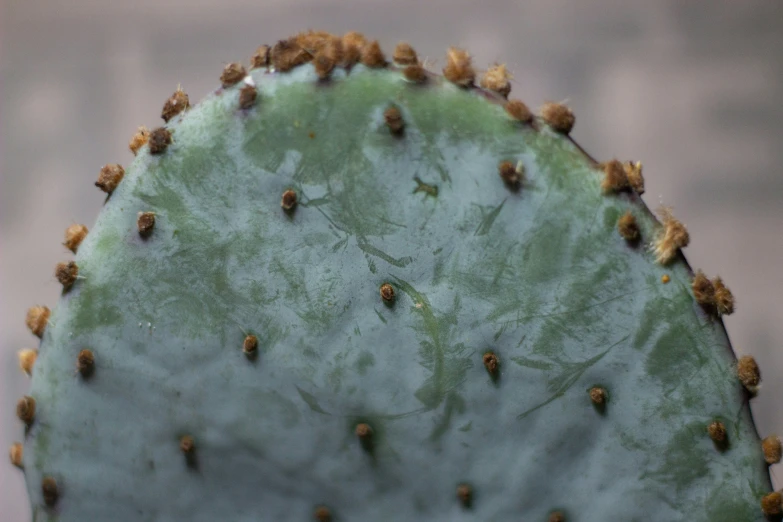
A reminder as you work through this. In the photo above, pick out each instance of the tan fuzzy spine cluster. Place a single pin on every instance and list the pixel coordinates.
(159, 141)
(66, 273)
(459, 68)
(628, 228)
(670, 238)
(328, 55)
(771, 447)
(16, 453)
(615, 178)
(27, 357)
(260, 58)
(559, 117)
(772, 504)
(232, 74)
(109, 177)
(139, 139)
(74, 235)
(394, 121)
(748, 372)
(497, 79)
(372, 56)
(25, 409)
(491, 362)
(633, 171)
(177, 103)
(37, 318)
(519, 111)
(714, 296)
(287, 54)
(404, 54)
(353, 43)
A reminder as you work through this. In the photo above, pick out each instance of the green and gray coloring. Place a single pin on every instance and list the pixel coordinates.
(343, 288)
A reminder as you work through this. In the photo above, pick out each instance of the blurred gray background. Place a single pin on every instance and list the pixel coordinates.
(691, 88)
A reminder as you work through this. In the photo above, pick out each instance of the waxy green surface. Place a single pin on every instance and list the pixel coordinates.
(539, 276)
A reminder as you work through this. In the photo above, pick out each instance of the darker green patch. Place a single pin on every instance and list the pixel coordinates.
(364, 361)
(684, 462)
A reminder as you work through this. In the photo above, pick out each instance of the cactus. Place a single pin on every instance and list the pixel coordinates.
(342, 287)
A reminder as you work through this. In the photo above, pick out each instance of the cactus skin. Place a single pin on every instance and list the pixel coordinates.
(355, 406)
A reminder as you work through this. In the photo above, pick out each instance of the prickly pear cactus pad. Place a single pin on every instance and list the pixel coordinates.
(342, 287)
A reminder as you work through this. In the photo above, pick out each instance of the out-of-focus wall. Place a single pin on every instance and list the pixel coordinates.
(693, 89)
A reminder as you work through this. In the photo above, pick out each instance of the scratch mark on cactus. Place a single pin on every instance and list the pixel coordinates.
(520, 320)
(429, 190)
(311, 401)
(449, 362)
(488, 220)
(532, 363)
(571, 374)
(380, 316)
(371, 250)
(317, 202)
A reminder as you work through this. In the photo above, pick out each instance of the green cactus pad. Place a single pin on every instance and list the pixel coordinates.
(539, 276)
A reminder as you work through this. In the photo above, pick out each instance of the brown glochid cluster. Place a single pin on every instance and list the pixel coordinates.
(771, 447)
(85, 363)
(519, 111)
(322, 514)
(250, 345)
(718, 433)
(50, 491)
(459, 68)
(145, 223)
(66, 273)
(748, 372)
(712, 295)
(27, 357)
(559, 117)
(491, 362)
(615, 178)
(363, 430)
(247, 97)
(628, 228)
(512, 175)
(288, 200)
(598, 395)
(232, 74)
(16, 453)
(25, 409)
(671, 237)
(387, 293)
(772, 504)
(260, 58)
(404, 54)
(465, 494)
(37, 318)
(187, 445)
(287, 54)
(74, 235)
(329, 55)
(394, 120)
(139, 139)
(159, 141)
(353, 43)
(633, 171)
(557, 516)
(176, 103)
(372, 56)
(109, 177)
(496, 79)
